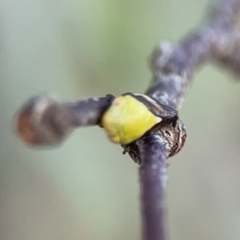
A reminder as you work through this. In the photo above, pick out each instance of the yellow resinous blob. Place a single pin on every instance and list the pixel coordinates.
(127, 120)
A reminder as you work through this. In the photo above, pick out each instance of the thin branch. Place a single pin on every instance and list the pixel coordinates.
(174, 65)
(153, 183)
(45, 121)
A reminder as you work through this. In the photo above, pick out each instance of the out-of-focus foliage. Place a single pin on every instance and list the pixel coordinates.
(86, 189)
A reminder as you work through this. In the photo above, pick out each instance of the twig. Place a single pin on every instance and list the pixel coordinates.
(153, 183)
(45, 121)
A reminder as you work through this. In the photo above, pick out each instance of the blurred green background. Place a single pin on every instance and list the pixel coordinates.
(86, 189)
